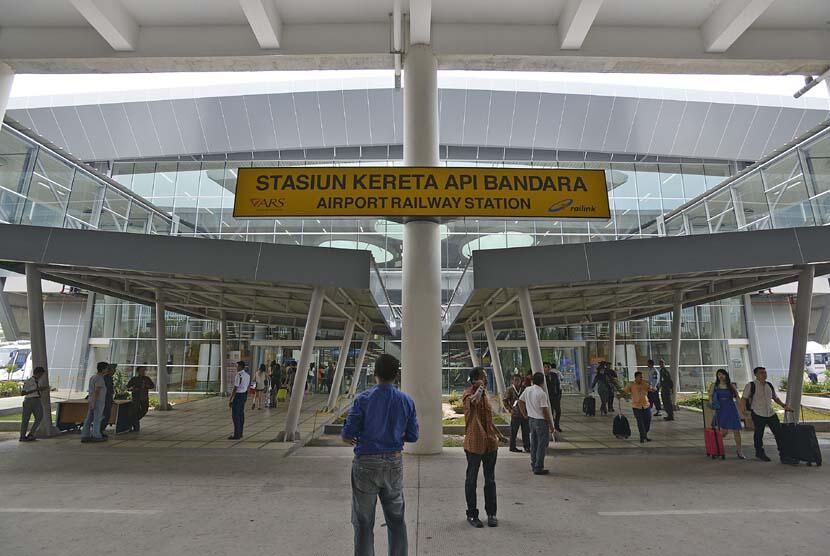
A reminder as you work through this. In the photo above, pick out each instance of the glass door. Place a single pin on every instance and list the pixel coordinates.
(568, 361)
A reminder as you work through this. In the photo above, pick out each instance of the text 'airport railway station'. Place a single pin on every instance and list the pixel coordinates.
(222, 222)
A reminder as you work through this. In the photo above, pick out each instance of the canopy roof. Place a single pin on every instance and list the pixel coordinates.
(629, 279)
(247, 282)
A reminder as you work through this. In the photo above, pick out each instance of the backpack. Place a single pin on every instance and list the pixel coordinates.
(752, 393)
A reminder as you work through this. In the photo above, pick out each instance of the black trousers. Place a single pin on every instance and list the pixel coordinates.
(474, 461)
(517, 423)
(668, 402)
(643, 417)
(654, 401)
(238, 413)
(760, 423)
(556, 406)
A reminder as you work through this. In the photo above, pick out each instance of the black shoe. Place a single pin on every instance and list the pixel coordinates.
(104, 435)
(648, 439)
(492, 521)
(762, 457)
(642, 441)
(668, 418)
(542, 472)
(515, 450)
(475, 522)
(559, 430)
(658, 414)
(527, 450)
(232, 437)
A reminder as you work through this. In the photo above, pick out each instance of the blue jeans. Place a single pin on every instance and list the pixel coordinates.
(373, 477)
(94, 416)
(539, 439)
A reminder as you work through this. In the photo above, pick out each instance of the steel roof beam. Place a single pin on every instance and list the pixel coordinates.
(264, 20)
(575, 22)
(112, 21)
(729, 21)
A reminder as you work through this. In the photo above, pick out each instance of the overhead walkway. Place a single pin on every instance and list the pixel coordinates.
(631, 279)
(284, 285)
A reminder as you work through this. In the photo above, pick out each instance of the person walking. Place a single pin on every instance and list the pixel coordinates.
(723, 396)
(91, 429)
(554, 387)
(654, 394)
(260, 387)
(481, 446)
(275, 380)
(604, 387)
(517, 421)
(140, 386)
(380, 420)
(638, 390)
(109, 396)
(329, 377)
(32, 405)
(757, 401)
(534, 404)
(238, 398)
(667, 391)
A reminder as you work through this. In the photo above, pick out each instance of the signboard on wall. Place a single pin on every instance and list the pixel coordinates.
(445, 192)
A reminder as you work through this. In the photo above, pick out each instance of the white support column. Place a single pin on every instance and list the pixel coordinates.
(531, 337)
(6, 80)
(474, 358)
(358, 365)
(37, 335)
(494, 357)
(161, 354)
(292, 419)
(341, 365)
(674, 364)
(612, 342)
(223, 355)
(798, 349)
(421, 268)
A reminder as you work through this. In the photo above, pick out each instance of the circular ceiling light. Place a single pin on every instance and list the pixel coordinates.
(380, 254)
(394, 230)
(500, 240)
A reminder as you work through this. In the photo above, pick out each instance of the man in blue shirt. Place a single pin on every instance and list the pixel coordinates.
(380, 421)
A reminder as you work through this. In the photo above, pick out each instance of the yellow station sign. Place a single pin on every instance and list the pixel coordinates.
(445, 192)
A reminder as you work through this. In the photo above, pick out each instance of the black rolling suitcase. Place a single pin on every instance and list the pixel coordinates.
(798, 442)
(621, 428)
(589, 406)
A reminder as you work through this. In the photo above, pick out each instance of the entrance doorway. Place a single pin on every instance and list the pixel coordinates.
(568, 356)
(739, 366)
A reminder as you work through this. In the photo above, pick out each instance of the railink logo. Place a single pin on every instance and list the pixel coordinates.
(268, 203)
(561, 205)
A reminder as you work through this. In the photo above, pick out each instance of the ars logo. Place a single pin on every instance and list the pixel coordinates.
(263, 203)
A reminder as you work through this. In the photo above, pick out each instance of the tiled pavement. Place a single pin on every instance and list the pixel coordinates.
(207, 423)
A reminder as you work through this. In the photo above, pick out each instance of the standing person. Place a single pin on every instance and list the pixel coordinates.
(238, 398)
(276, 383)
(517, 421)
(260, 387)
(757, 400)
(554, 386)
(723, 396)
(109, 397)
(602, 382)
(329, 376)
(654, 382)
(639, 390)
(140, 386)
(481, 445)
(380, 421)
(535, 406)
(292, 372)
(91, 429)
(528, 380)
(614, 383)
(31, 404)
(667, 391)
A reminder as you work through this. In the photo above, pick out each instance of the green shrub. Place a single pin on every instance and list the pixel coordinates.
(9, 389)
(693, 400)
(453, 398)
(783, 383)
(810, 388)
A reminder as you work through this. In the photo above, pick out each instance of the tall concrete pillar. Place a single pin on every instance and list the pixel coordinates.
(6, 81)
(798, 348)
(494, 357)
(612, 342)
(421, 370)
(531, 337)
(341, 365)
(223, 355)
(476, 360)
(292, 419)
(674, 364)
(358, 364)
(37, 335)
(161, 353)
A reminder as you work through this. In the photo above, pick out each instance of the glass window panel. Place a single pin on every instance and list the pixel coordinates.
(48, 191)
(817, 156)
(751, 205)
(650, 209)
(139, 219)
(787, 193)
(694, 180)
(124, 173)
(164, 180)
(715, 173)
(160, 225)
(648, 181)
(722, 212)
(623, 180)
(86, 198)
(111, 222)
(671, 181)
(626, 213)
(142, 179)
(676, 226)
(16, 155)
(698, 222)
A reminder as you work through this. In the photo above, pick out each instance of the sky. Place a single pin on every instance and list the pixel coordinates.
(27, 85)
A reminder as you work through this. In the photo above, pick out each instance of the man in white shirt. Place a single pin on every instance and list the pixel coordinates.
(32, 404)
(238, 398)
(654, 381)
(534, 405)
(91, 430)
(758, 397)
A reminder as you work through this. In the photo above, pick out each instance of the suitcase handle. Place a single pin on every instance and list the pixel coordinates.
(792, 419)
